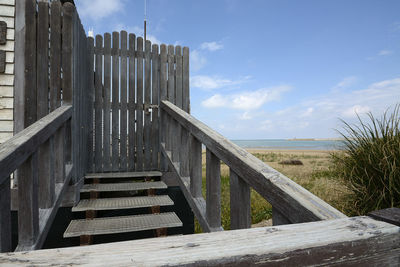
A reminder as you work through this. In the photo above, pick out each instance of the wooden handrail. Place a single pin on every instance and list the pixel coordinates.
(287, 197)
(17, 149)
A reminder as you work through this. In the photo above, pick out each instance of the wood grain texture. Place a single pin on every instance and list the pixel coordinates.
(239, 202)
(295, 202)
(278, 218)
(185, 81)
(139, 106)
(131, 104)
(90, 114)
(98, 160)
(213, 189)
(351, 241)
(195, 167)
(163, 96)
(107, 103)
(155, 118)
(147, 102)
(115, 102)
(5, 216)
(124, 102)
(390, 215)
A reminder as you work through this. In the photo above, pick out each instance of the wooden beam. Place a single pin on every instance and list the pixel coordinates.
(239, 202)
(18, 148)
(213, 192)
(359, 241)
(298, 204)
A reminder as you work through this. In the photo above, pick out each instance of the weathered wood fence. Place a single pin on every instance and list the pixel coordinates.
(291, 203)
(51, 150)
(131, 76)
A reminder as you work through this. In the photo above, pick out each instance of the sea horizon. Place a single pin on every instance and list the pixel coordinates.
(291, 144)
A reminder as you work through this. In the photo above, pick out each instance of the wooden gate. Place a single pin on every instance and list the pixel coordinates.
(130, 80)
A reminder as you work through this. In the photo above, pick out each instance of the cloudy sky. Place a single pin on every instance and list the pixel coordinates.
(273, 68)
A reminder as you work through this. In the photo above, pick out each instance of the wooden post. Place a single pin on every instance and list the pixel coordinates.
(155, 141)
(139, 106)
(90, 161)
(195, 168)
(147, 101)
(46, 175)
(213, 193)
(131, 106)
(55, 87)
(28, 206)
(115, 101)
(185, 80)
(107, 103)
(170, 94)
(163, 96)
(98, 105)
(124, 104)
(239, 202)
(5, 216)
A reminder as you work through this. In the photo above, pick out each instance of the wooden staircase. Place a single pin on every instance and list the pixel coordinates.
(119, 192)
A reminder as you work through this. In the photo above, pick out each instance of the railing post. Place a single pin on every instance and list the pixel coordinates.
(213, 194)
(195, 167)
(239, 202)
(184, 152)
(5, 216)
(163, 96)
(28, 208)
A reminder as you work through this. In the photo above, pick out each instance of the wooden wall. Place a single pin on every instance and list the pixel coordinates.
(7, 14)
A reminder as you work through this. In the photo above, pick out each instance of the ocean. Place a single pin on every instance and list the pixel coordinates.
(290, 144)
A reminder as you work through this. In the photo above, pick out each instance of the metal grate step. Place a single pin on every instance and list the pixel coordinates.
(123, 175)
(122, 203)
(123, 224)
(114, 187)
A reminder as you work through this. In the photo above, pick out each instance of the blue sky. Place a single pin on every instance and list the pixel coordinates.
(273, 68)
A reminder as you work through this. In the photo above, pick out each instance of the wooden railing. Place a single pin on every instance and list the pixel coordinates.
(21, 152)
(182, 147)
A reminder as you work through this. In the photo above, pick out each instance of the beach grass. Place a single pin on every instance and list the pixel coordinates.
(316, 175)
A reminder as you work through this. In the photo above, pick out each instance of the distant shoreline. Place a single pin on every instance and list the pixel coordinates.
(315, 139)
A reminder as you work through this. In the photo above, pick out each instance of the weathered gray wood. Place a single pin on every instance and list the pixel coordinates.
(298, 204)
(3, 32)
(107, 103)
(18, 148)
(75, 122)
(123, 175)
(155, 140)
(98, 106)
(195, 167)
(5, 216)
(124, 105)
(163, 96)
(239, 202)
(178, 77)
(170, 95)
(139, 106)
(185, 81)
(278, 218)
(28, 206)
(68, 11)
(131, 106)
(147, 102)
(197, 204)
(90, 117)
(55, 86)
(213, 189)
(46, 175)
(390, 215)
(356, 241)
(115, 101)
(185, 153)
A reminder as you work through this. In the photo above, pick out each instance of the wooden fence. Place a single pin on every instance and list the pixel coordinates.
(51, 150)
(130, 79)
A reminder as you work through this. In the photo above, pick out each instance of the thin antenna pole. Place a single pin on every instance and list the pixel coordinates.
(145, 2)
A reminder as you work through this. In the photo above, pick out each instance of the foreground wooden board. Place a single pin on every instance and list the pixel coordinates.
(351, 241)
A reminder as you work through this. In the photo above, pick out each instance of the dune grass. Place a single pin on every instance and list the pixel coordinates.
(316, 175)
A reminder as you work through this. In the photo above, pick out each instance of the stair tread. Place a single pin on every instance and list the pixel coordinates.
(123, 175)
(113, 187)
(122, 224)
(122, 203)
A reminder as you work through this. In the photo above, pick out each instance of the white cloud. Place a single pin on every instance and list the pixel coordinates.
(355, 110)
(345, 83)
(249, 100)
(197, 60)
(307, 113)
(205, 82)
(98, 9)
(211, 46)
(245, 116)
(385, 52)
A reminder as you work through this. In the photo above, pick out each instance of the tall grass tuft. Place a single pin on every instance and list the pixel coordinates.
(370, 162)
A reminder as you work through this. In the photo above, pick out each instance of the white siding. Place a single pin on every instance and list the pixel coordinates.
(7, 14)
